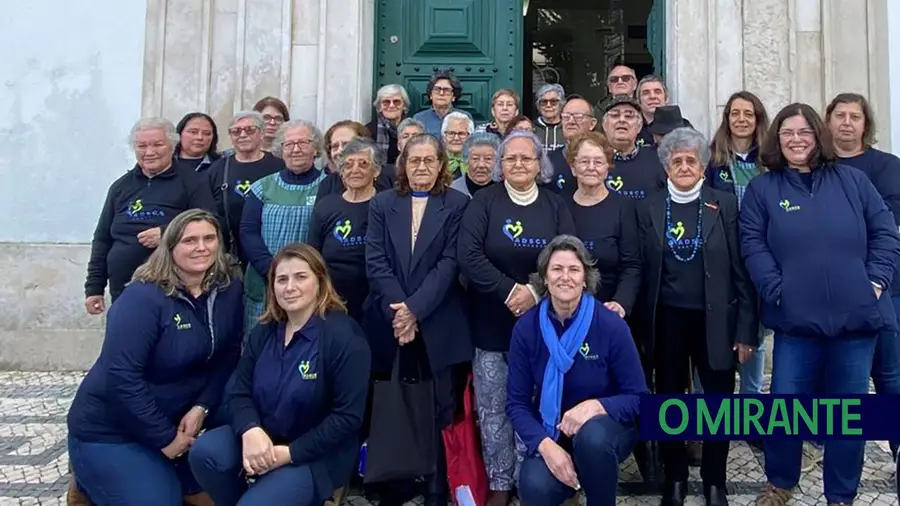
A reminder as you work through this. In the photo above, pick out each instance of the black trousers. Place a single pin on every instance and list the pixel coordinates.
(680, 344)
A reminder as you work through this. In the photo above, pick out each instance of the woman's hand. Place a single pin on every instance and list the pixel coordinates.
(744, 352)
(95, 304)
(258, 451)
(192, 421)
(878, 291)
(404, 323)
(559, 462)
(521, 300)
(573, 419)
(150, 238)
(615, 307)
(178, 446)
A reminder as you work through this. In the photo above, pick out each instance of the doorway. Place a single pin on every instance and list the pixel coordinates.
(576, 42)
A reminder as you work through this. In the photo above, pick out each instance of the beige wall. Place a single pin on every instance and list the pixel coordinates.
(782, 50)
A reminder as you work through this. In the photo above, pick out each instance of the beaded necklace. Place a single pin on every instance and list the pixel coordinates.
(671, 242)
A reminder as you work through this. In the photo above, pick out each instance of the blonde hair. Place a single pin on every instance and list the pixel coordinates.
(161, 269)
(327, 298)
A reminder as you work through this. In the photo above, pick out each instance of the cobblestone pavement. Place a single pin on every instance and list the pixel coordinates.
(33, 460)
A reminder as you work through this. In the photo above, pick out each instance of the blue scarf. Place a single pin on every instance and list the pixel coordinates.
(562, 356)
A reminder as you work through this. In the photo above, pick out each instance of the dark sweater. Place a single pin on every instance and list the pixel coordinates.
(609, 232)
(240, 177)
(682, 278)
(854, 237)
(638, 174)
(607, 369)
(563, 180)
(136, 203)
(309, 395)
(338, 231)
(161, 356)
(499, 243)
(883, 169)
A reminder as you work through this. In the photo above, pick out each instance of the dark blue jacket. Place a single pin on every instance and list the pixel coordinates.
(607, 369)
(721, 177)
(310, 395)
(813, 255)
(161, 356)
(426, 278)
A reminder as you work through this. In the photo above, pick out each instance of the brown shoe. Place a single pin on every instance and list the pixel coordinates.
(201, 499)
(75, 497)
(773, 496)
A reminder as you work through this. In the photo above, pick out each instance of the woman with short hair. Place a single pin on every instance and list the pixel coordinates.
(274, 113)
(391, 105)
(198, 146)
(480, 155)
(408, 129)
(443, 91)
(336, 137)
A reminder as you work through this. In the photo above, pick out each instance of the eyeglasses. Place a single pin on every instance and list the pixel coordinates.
(237, 131)
(510, 161)
(577, 117)
(460, 135)
(790, 134)
(545, 102)
(429, 161)
(292, 145)
(627, 78)
(588, 162)
(268, 118)
(362, 164)
(389, 102)
(442, 90)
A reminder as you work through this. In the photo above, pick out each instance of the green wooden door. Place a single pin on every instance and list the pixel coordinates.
(480, 41)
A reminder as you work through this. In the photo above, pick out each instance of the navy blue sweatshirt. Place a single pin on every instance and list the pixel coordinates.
(161, 356)
(309, 395)
(607, 368)
(136, 203)
(814, 252)
(883, 169)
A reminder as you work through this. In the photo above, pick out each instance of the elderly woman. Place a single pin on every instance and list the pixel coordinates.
(391, 104)
(582, 362)
(701, 305)
(455, 130)
(198, 147)
(520, 122)
(412, 270)
(231, 176)
(480, 152)
(505, 228)
(138, 206)
(279, 208)
(504, 107)
(407, 129)
(339, 223)
(443, 90)
(172, 341)
(821, 286)
(336, 137)
(274, 113)
(550, 99)
(606, 223)
(298, 438)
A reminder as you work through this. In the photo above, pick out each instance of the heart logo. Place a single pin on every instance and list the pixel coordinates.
(242, 187)
(585, 349)
(677, 231)
(136, 206)
(342, 229)
(177, 319)
(513, 230)
(785, 204)
(723, 175)
(615, 184)
(304, 367)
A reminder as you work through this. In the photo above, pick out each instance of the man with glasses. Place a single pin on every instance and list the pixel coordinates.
(621, 81)
(637, 171)
(550, 99)
(577, 118)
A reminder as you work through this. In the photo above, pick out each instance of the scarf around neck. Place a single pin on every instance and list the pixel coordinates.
(386, 132)
(684, 197)
(562, 357)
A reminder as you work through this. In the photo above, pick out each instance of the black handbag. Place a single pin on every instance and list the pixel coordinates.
(403, 434)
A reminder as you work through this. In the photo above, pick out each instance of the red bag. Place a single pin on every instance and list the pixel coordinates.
(465, 466)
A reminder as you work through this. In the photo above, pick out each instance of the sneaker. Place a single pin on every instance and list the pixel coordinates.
(773, 496)
(812, 455)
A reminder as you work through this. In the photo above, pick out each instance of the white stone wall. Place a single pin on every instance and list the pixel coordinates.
(782, 50)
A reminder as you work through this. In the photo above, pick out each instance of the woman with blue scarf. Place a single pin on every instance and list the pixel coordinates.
(582, 360)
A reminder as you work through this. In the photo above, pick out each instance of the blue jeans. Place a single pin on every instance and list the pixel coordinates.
(216, 460)
(599, 447)
(886, 366)
(130, 474)
(820, 366)
(751, 371)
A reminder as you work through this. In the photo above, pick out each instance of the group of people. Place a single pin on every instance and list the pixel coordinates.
(569, 263)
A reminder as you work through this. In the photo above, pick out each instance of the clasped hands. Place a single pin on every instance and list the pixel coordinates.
(404, 323)
(260, 455)
(188, 429)
(557, 459)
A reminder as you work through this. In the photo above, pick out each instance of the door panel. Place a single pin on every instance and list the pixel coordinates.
(479, 41)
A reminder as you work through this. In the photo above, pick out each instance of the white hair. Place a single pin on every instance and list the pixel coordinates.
(389, 90)
(458, 115)
(314, 133)
(257, 118)
(145, 124)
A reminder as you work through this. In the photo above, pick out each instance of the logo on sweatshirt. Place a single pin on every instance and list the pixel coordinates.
(180, 324)
(136, 210)
(786, 205)
(724, 175)
(343, 232)
(514, 231)
(585, 351)
(304, 368)
(617, 184)
(560, 181)
(242, 188)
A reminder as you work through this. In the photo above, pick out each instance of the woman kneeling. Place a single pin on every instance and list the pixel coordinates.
(582, 360)
(298, 399)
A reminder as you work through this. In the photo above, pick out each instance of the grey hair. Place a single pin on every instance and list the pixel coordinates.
(458, 115)
(546, 172)
(652, 78)
(683, 139)
(547, 88)
(480, 139)
(389, 90)
(410, 122)
(538, 280)
(362, 145)
(314, 132)
(154, 124)
(257, 118)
